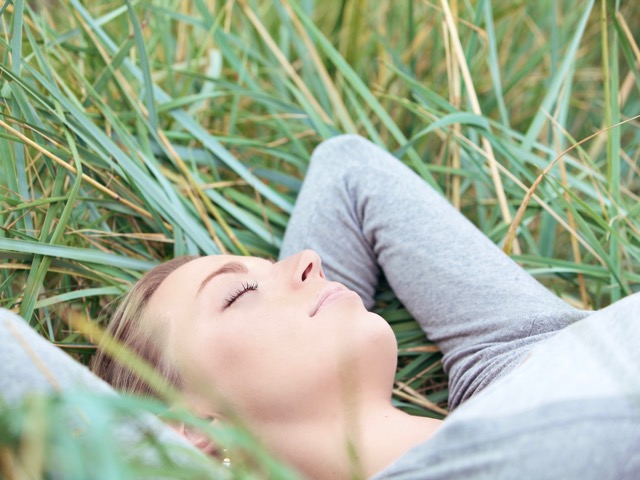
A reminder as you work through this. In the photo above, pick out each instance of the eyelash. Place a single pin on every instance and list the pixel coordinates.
(246, 287)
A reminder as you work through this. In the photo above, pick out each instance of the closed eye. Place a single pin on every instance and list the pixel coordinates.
(246, 287)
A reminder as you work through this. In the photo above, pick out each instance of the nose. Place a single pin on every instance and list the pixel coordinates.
(306, 266)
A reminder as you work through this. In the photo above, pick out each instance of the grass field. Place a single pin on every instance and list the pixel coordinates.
(132, 132)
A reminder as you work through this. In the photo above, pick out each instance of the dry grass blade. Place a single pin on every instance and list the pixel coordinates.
(332, 91)
(72, 169)
(286, 65)
(513, 228)
(407, 393)
(475, 107)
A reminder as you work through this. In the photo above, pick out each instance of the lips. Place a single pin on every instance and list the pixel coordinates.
(331, 292)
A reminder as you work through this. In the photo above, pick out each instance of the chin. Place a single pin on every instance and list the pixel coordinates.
(382, 328)
(378, 349)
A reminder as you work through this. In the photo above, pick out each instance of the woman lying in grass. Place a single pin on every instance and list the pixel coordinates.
(291, 347)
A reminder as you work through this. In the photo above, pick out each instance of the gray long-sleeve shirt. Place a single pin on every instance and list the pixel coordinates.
(571, 410)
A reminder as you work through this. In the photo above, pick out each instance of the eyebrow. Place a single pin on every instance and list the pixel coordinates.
(231, 267)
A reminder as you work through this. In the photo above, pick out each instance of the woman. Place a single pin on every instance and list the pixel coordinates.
(291, 347)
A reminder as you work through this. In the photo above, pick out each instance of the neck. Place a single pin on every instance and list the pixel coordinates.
(355, 445)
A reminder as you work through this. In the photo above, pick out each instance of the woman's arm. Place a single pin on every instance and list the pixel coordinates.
(361, 209)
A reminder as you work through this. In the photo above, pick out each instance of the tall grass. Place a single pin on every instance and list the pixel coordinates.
(133, 132)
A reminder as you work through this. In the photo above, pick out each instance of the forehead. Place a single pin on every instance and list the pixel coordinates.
(200, 267)
(181, 286)
(176, 293)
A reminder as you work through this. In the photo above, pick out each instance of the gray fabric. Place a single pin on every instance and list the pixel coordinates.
(362, 209)
(570, 410)
(31, 365)
(562, 396)
(591, 440)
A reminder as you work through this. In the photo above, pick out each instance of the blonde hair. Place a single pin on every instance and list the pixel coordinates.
(140, 331)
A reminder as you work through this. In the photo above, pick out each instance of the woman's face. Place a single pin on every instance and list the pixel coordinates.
(272, 339)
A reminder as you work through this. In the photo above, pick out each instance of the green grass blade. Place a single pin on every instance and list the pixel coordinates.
(558, 79)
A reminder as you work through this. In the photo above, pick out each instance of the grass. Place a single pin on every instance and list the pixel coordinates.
(133, 132)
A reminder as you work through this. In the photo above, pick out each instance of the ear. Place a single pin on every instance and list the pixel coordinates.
(198, 439)
(201, 441)
(195, 436)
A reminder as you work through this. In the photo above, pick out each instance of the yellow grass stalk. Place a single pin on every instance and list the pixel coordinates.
(72, 169)
(332, 91)
(513, 228)
(475, 107)
(284, 62)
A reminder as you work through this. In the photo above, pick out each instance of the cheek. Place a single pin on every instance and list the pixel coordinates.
(270, 363)
(229, 358)
(202, 355)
